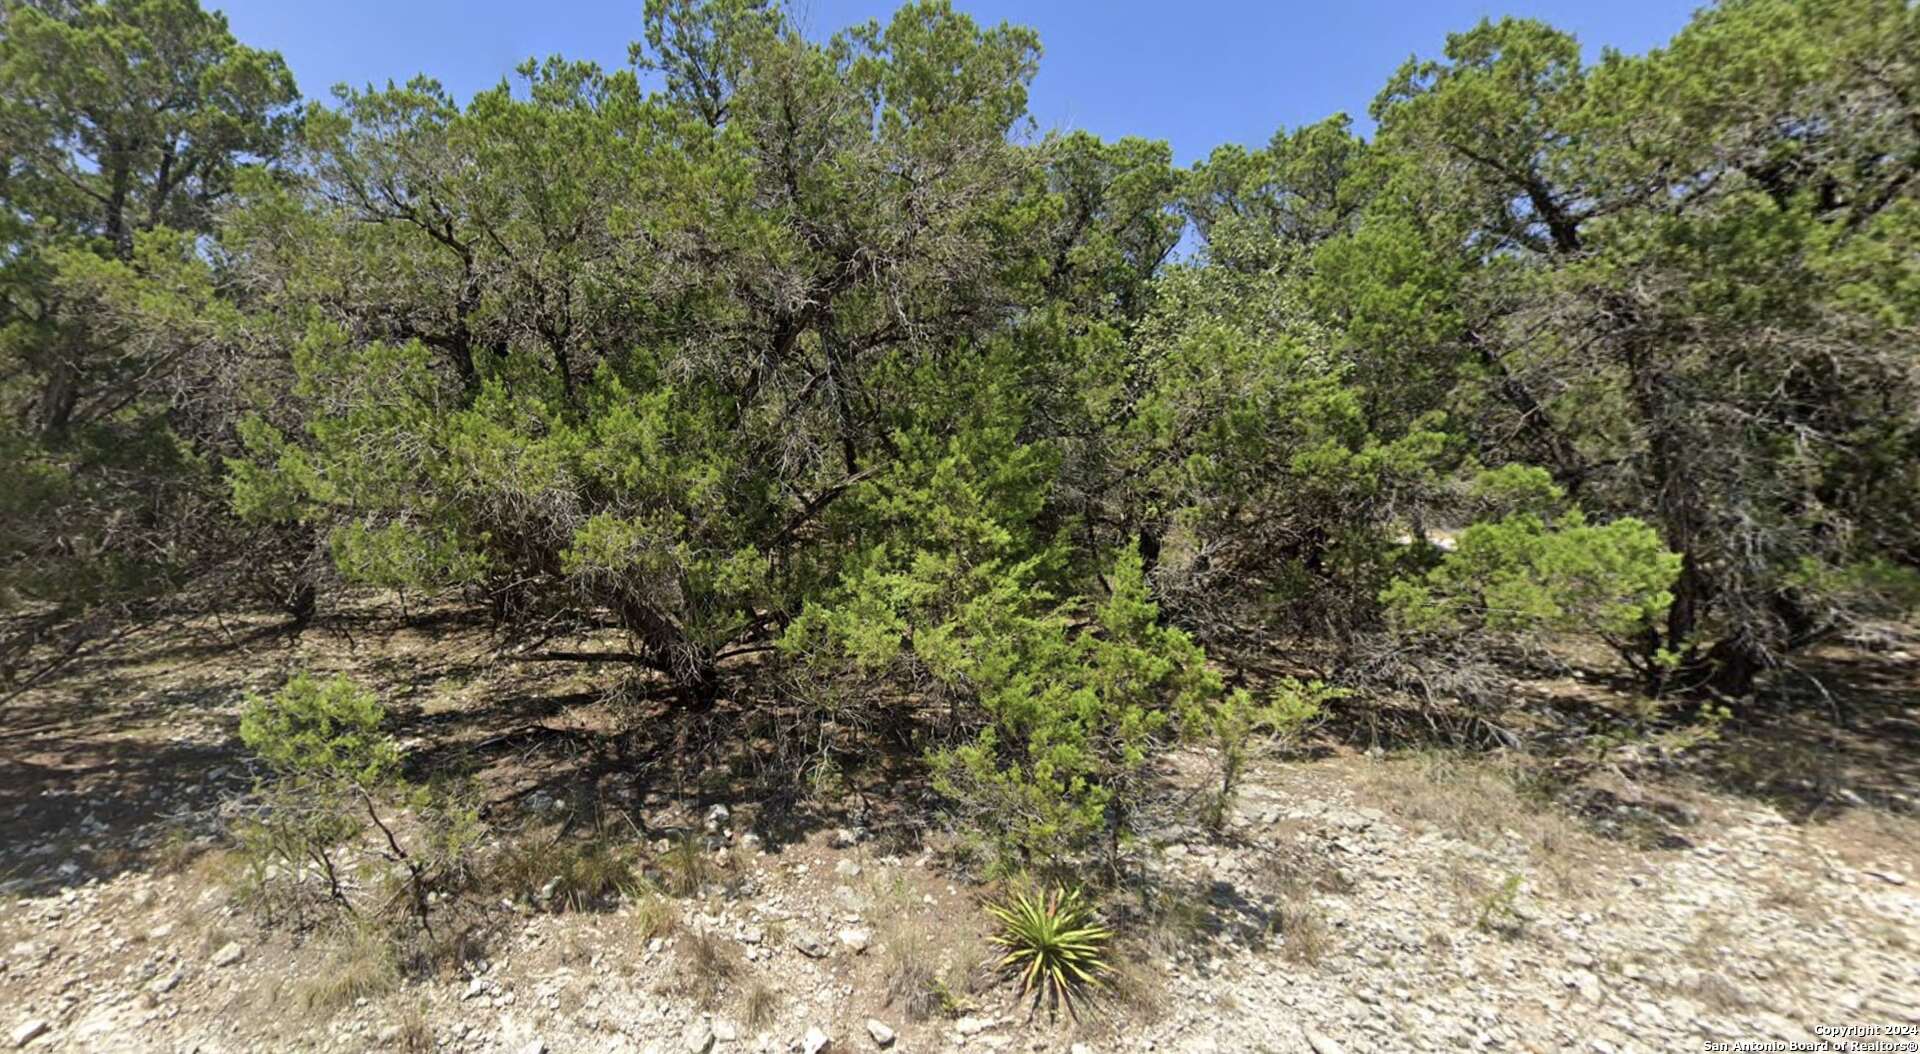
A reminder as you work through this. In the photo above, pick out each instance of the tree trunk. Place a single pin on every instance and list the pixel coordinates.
(665, 646)
(301, 606)
(59, 397)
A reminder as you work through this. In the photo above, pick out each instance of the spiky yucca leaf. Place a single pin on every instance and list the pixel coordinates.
(1052, 943)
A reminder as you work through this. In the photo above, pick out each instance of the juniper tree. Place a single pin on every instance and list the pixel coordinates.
(125, 125)
(1672, 280)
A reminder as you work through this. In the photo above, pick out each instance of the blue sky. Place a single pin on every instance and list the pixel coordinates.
(1196, 73)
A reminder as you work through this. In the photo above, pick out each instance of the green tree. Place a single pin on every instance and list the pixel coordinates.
(625, 352)
(125, 124)
(1657, 284)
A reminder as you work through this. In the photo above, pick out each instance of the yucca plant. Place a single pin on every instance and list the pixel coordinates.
(1052, 942)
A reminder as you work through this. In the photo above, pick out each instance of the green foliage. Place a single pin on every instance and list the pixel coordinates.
(127, 123)
(1638, 265)
(323, 744)
(620, 351)
(1072, 716)
(324, 729)
(1522, 576)
(1053, 944)
(1498, 911)
(779, 343)
(335, 823)
(1239, 728)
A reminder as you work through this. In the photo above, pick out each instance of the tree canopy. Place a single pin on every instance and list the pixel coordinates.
(822, 375)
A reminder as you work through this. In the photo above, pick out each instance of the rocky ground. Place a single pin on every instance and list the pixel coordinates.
(1361, 901)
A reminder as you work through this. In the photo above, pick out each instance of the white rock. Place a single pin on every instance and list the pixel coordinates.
(698, 1038)
(534, 1046)
(968, 1026)
(28, 1031)
(846, 869)
(1321, 1043)
(724, 1032)
(856, 939)
(815, 1041)
(163, 985)
(843, 838)
(882, 1035)
(228, 954)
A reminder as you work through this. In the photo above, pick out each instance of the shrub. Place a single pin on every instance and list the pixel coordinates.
(1054, 713)
(1239, 729)
(1499, 908)
(1072, 718)
(321, 729)
(332, 776)
(1513, 584)
(1523, 576)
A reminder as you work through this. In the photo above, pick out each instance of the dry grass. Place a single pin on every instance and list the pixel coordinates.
(566, 876)
(1706, 949)
(1470, 798)
(1303, 933)
(1487, 801)
(1176, 925)
(1298, 875)
(761, 1006)
(684, 867)
(1717, 993)
(1563, 853)
(653, 916)
(1873, 839)
(1137, 981)
(707, 965)
(360, 962)
(446, 951)
(910, 974)
(416, 1031)
(176, 851)
(929, 965)
(208, 868)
